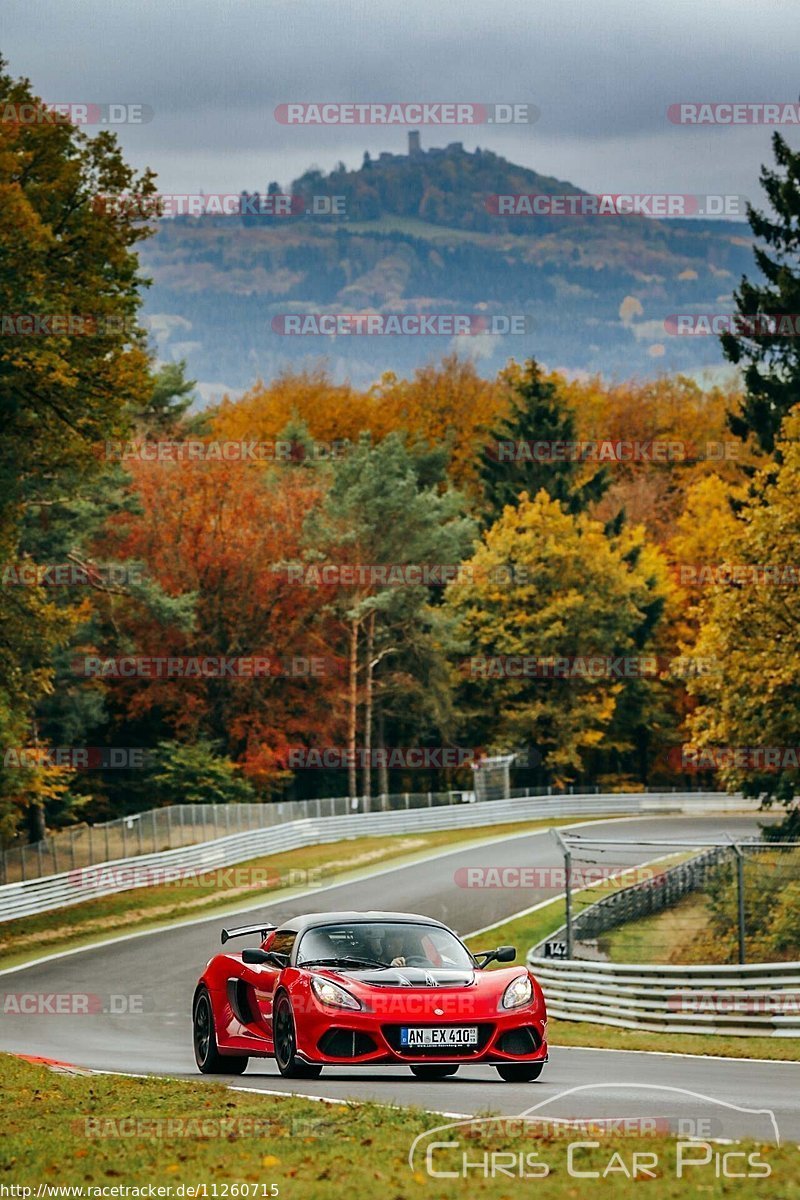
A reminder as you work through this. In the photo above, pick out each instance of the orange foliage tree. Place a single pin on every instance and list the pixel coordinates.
(221, 531)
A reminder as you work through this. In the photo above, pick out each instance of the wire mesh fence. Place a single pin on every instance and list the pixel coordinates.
(678, 903)
(177, 825)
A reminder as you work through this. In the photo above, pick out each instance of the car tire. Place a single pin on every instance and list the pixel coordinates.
(433, 1072)
(520, 1072)
(206, 1052)
(285, 1043)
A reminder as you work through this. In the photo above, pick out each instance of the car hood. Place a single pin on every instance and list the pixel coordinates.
(403, 977)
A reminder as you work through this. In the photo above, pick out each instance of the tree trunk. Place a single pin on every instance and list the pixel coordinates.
(352, 782)
(383, 771)
(368, 714)
(36, 822)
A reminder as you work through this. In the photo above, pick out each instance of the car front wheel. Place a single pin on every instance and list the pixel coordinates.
(285, 1043)
(520, 1072)
(206, 1052)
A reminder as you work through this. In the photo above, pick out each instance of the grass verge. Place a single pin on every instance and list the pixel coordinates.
(263, 879)
(199, 1139)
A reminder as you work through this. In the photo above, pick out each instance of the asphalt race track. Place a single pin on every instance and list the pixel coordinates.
(162, 968)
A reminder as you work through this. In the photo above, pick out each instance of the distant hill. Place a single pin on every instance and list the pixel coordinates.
(418, 234)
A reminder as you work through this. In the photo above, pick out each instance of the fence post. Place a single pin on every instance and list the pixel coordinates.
(72, 848)
(740, 898)
(155, 830)
(169, 825)
(91, 849)
(430, 801)
(108, 847)
(567, 887)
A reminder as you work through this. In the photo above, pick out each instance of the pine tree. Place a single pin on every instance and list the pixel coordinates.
(509, 465)
(771, 361)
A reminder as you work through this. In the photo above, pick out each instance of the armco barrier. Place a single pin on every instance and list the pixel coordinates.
(72, 887)
(761, 998)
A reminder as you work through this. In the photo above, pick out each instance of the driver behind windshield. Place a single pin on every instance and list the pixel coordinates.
(400, 946)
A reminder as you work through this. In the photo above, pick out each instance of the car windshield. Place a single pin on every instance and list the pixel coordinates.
(384, 944)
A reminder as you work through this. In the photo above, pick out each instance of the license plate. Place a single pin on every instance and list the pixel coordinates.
(464, 1035)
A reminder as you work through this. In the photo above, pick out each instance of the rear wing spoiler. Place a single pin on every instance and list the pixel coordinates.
(244, 930)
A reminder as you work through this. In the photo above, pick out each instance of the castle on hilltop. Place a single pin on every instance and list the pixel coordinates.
(415, 151)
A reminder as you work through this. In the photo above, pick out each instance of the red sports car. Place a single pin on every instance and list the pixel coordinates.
(356, 989)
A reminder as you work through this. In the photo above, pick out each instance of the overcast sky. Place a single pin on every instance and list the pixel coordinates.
(602, 72)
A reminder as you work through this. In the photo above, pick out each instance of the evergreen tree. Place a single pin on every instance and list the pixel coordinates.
(509, 464)
(771, 361)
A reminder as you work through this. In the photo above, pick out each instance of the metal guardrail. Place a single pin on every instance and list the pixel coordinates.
(175, 825)
(760, 998)
(61, 890)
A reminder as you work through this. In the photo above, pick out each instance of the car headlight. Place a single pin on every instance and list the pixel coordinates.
(518, 992)
(330, 993)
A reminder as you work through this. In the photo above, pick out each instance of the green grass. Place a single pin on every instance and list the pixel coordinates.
(232, 889)
(63, 1130)
(660, 938)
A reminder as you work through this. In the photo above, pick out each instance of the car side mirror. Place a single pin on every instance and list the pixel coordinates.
(501, 954)
(271, 958)
(255, 956)
(505, 953)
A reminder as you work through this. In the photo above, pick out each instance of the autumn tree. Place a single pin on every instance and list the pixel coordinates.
(550, 586)
(445, 404)
(510, 462)
(72, 364)
(217, 535)
(751, 632)
(380, 510)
